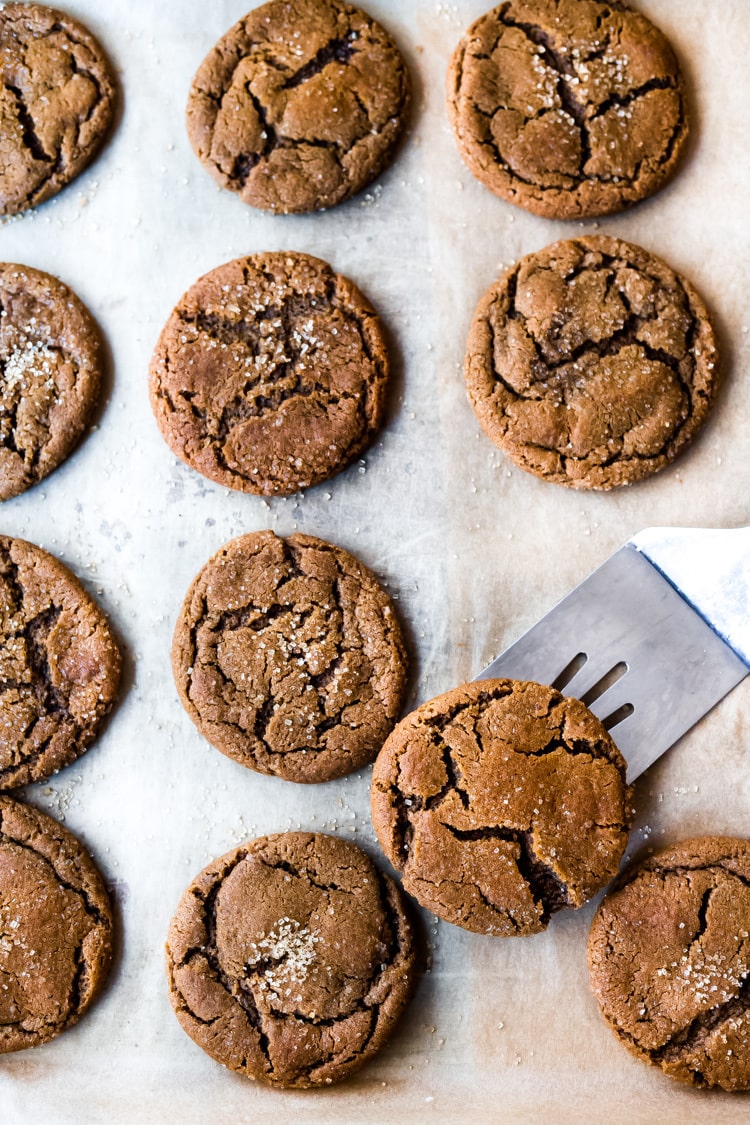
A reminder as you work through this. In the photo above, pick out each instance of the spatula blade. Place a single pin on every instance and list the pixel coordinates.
(632, 627)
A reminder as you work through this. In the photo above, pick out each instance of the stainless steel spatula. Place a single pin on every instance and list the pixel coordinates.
(650, 641)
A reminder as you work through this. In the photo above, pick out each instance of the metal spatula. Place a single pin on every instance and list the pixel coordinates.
(650, 641)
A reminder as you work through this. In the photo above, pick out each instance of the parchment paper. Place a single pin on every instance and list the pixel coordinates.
(475, 551)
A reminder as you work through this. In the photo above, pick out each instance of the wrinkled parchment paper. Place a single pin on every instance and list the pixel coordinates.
(474, 550)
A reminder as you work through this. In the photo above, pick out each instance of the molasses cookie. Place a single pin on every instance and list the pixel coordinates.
(291, 959)
(57, 98)
(300, 105)
(591, 363)
(669, 956)
(59, 665)
(50, 368)
(501, 802)
(568, 108)
(270, 374)
(288, 657)
(55, 928)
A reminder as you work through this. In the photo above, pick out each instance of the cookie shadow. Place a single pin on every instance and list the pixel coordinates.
(692, 114)
(396, 378)
(414, 110)
(106, 387)
(413, 666)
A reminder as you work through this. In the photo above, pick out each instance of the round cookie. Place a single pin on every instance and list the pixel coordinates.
(288, 657)
(50, 375)
(57, 98)
(591, 363)
(291, 959)
(59, 665)
(299, 105)
(55, 928)
(501, 802)
(669, 956)
(270, 374)
(568, 108)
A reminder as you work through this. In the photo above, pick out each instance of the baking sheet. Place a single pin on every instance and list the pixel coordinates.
(474, 550)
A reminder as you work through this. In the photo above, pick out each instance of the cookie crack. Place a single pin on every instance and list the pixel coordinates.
(249, 617)
(270, 136)
(231, 985)
(453, 774)
(402, 827)
(306, 875)
(29, 760)
(446, 718)
(550, 894)
(339, 50)
(674, 137)
(632, 95)
(8, 439)
(575, 748)
(28, 127)
(564, 70)
(90, 907)
(35, 634)
(263, 717)
(703, 915)
(685, 870)
(74, 994)
(680, 1046)
(77, 68)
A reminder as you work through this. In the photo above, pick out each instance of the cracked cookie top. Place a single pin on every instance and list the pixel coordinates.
(291, 959)
(591, 363)
(288, 657)
(270, 375)
(299, 105)
(57, 98)
(669, 956)
(501, 802)
(59, 665)
(568, 108)
(55, 928)
(50, 373)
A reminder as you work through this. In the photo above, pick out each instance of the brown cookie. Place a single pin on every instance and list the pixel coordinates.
(51, 364)
(568, 108)
(57, 97)
(591, 363)
(55, 928)
(299, 105)
(291, 959)
(270, 374)
(59, 665)
(501, 802)
(288, 657)
(669, 956)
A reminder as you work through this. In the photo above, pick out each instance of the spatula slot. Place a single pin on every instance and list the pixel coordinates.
(571, 669)
(605, 683)
(618, 716)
